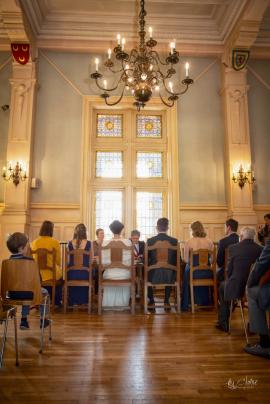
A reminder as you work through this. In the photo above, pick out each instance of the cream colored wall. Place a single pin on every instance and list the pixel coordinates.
(259, 119)
(5, 74)
(201, 137)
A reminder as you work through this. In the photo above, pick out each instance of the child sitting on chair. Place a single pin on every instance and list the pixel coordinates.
(18, 245)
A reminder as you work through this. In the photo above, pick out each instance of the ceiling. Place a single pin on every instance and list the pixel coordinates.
(199, 25)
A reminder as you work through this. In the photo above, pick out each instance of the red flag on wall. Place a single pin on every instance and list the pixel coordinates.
(21, 52)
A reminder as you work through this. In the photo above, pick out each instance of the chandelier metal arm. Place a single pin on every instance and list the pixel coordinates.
(165, 102)
(175, 93)
(110, 89)
(117, 101)
(154, 53)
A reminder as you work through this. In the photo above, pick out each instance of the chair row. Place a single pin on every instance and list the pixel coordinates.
(201, 260)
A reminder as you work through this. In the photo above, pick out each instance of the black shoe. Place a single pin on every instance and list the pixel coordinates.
(24, 324)
(222, 327)
(152, 308)
(258, 350)
(46, 323)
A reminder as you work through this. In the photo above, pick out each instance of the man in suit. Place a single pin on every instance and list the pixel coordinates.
(240, 258)
(138, 245)
(232, 237)
(160, 275)
(258, 294)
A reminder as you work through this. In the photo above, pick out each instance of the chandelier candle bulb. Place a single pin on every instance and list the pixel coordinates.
(187, 68)
(97, 63)
(172, 46)
(105, 84)
(171, 86)
(150, 30)
(109, 53)
(118, 39)
(123, 43)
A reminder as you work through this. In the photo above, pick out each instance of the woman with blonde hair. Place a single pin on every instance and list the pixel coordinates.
(79, 295)
(198, 241)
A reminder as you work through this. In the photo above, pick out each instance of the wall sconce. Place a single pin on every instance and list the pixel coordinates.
(242, 177)
(15, 174)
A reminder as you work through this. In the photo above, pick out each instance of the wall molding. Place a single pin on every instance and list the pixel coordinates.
(208, 207)
(62, 206)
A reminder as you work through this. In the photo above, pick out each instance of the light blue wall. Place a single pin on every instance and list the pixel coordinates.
(259, 120)
(57, 135)
(5, 74)
(201, 137)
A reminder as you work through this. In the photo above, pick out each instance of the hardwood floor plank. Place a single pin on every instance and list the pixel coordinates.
(119, 358)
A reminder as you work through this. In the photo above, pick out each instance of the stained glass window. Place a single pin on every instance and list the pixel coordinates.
(148, 210)
(109, 125)
(108, 208)
(149, 126)
(149, 165)
(109, 164)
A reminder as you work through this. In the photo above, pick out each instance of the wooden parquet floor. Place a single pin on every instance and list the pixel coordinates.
(119, 358)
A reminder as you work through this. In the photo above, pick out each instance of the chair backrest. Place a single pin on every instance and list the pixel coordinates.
(21, 275)
(41, 256)
(162, 249)
(77, 256)
(204, 259)
(117, 248)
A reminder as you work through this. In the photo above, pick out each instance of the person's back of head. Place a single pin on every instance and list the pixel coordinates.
(116, 227)
(46, 229)
(232, 225)
(162, 225)
(80, 233)
(247, 233)
(197, 229)
(17, 242)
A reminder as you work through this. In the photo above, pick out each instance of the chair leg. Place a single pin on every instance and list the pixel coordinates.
(133, 297)
(50, 326)
(89, 298)
(53, 297)
(46, 300)
(16, 337)
(192, 298)
(145, 299)
(4, 341)
(243, 320)
(99, 299)
(65, 296)
(178, 299)
(230, 317)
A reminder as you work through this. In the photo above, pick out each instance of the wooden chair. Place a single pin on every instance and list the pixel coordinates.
(78, 256)
(162, 251)
(241, 303)
(116, 261)
(8, 312)
(206, 261)
(41, 256)
(23, 276)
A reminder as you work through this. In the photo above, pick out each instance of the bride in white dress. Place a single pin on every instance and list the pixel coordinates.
(116, 296)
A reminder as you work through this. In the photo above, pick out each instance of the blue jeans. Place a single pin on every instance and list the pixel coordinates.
(26, 309)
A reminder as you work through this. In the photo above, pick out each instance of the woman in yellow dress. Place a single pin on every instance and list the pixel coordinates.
(46, 240)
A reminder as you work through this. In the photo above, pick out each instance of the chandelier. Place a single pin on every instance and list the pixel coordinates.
(142, 72)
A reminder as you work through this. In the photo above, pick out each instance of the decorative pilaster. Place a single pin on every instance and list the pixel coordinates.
(15, 216)
(237, 143)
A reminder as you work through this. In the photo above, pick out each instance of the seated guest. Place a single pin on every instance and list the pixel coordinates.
(138, 245)
(116, 296)
(46, 240)
(258, 295)
(79, 295)
(264, 232)
(96, 245)
(240, 258)
(160, 275)
(18, 245)
(198, 241)
(232, 237)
